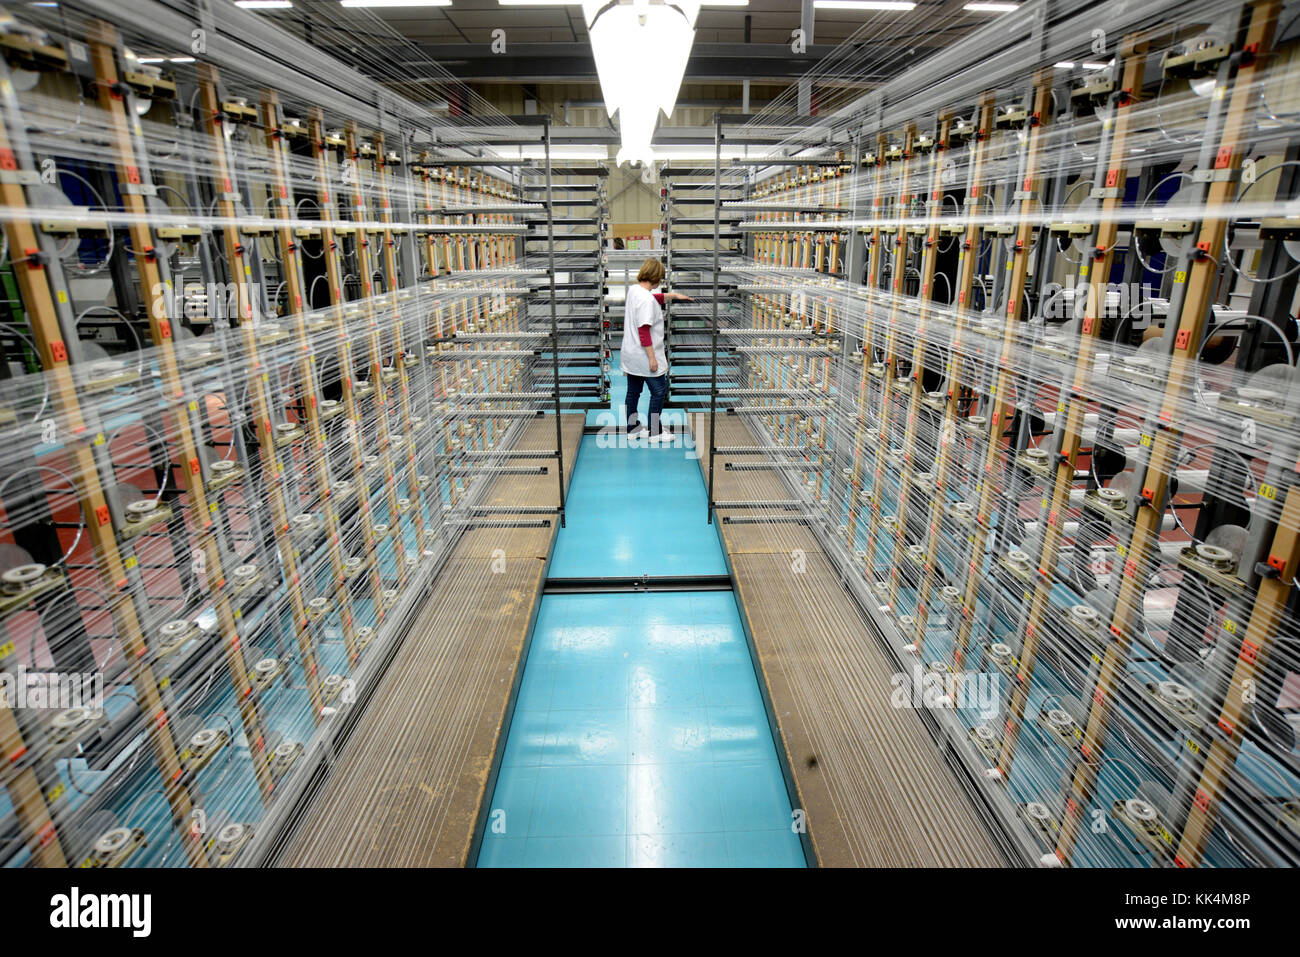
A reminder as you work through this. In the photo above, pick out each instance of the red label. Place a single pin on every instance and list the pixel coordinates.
(59, 351)
(103, 515)
(1184, 336)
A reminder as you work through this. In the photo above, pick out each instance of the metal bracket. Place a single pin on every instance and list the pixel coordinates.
(1215, 175)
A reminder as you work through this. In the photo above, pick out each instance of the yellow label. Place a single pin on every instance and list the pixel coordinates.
(1180, 276)
(1229, 626)
(1193, 746)
(165, 683)
(248, 270)
(1083, 270)
(213, 508)
(61, 296)
(1122, 549)
(1145, 441)
(194, 407)
(56, 792)
(131, 562)
(1095, 659)
(99, 439)
(6, 649)
(1267, 491)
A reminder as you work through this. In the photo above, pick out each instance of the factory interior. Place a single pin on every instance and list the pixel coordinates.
(334, 535)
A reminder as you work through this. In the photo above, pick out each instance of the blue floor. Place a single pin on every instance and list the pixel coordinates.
(639, 739)
(639, 736)
(636, 511)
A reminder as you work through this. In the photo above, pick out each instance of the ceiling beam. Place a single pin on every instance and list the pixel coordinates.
(525, 62)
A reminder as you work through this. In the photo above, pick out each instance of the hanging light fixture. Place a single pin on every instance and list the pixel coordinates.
(641, 48)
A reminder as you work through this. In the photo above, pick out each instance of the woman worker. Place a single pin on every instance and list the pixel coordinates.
(642, 353)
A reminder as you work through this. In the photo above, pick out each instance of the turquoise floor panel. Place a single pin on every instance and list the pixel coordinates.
(640, 739)
(636, 511)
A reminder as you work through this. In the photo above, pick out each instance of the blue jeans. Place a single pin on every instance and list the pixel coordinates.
(658, 386)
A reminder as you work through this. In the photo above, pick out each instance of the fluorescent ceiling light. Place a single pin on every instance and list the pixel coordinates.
(395, 3)
(1064, 65)
(1094, 66)
(540, 3)
(150, 59)
(179, 59)
(899, 5)
(264, 4)
(992, 7)
(641, 49)
(724, 3)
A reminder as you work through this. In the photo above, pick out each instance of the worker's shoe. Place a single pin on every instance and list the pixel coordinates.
(665, 437)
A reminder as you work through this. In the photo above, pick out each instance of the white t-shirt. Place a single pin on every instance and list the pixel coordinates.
(641, 309)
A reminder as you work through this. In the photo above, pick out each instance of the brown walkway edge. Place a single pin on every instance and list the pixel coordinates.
(869, 777)
(406, 788)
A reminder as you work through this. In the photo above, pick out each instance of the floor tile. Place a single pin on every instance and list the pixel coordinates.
(764, 849)
(730, 684)
(672, 799)
(676, 850)
(590, 686)
(753, 798)
(740, 735)
(591, 736)
(663, 735)
(526, 741)
(599, 851)
(501, 852)
(579, 801)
